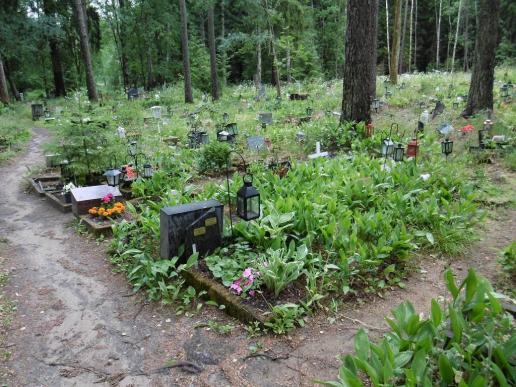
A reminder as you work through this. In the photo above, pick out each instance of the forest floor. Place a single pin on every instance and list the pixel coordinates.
(67, 320)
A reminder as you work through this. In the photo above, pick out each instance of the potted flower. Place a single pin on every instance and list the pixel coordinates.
(67, 192)
(108, 209)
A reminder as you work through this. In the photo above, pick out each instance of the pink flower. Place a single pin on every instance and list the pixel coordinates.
(107, 198)
(235, 286)
(248, 273)
(252, 293)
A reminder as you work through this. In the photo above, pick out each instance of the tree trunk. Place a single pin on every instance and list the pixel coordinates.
(85, 49)
(202, 28)
(410, 38)
(456, 37)
(223, 36)
(4, 91)
(387, 30)
(289, 74)
(258, 75)
(395, 42)
(124, 62)
(466, 37)
(213, 56)
(437, 59)
(415, 38)
(55, 55)
(481, 88)
(10, 80)
(360, 62)
(186, 53)
(401, 63)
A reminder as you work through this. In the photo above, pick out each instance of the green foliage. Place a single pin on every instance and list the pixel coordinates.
(508, 260)
(14, 131)
(285, 317)
(228, 263)
(469, 343)
(214, 157)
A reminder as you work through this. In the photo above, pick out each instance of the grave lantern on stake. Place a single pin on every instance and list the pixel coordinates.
(147, 171)
(376, 105)
(309, 111)
(413, 147)
(504, 91)
(113, 177)
(225, 117)
(399, 152)
(447, 147)
(134, 152)
(248, 197)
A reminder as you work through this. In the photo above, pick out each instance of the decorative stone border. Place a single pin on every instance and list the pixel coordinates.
(39, 182)
(54, 200)
(222, 296)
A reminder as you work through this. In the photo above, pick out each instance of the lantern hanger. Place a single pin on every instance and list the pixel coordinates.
(227, 181)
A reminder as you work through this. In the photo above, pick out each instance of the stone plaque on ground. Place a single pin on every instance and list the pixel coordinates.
(84, 198)
(255, 143)
(265, 118)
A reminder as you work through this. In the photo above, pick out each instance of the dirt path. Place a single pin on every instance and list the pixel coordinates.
(76, 325)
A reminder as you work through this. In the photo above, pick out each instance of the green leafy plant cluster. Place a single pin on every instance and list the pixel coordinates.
(508, 260)
(469, 342)
(213, 157)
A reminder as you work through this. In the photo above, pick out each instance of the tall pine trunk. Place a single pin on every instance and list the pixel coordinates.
(437, 51)
(360, 62)
(387, 32)
(124, 62)
(223, 36)
(4, 91)
(466, 37)
(456, 37)
(85, 49)
(393, 73)
(186, 52)
(410, 38)
(258, 75)
(401, 64)
(415, 37)
(55, 54)
(213, 56)
(482, 79)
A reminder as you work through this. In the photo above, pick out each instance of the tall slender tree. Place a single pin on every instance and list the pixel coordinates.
(438, 33)
(49, 8)
(395, 49)
(80, 14)
(360, 62)
(456, 36)
(4, 91)
(215, 92)
(186, 52)
(482, 79)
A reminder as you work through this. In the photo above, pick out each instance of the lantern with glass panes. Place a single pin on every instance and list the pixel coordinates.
(112, 176)
(248, 197)
(376, 105)
(386, 84)
(504, 91)
(147, 170)
(447, 147)
(399, 152)
(225, 117)
(309, 111)
(387, 143)
(134, 152)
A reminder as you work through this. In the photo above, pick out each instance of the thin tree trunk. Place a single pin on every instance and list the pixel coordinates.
(466, 37)
(275, 69)
(223, 36)
(387, 30)
(415, 38)
(360, 62)
(123, 50)
(449, 43)
(410, 38)
(186, 53)
(14, 89)
(456, 36)
(401, 59)
(202, 28)
(258, 75)
(482, 79)
(437, 59)
(55, 55)
(213, 55)
(86, 50)
(289, 75)
(4, 91)
(395, 42)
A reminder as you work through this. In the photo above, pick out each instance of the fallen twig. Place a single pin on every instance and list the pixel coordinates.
(270, 357)
(185, 365)
(357, 321)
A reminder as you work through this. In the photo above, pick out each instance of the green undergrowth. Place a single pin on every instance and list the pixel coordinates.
(467, 341)
(15, 124)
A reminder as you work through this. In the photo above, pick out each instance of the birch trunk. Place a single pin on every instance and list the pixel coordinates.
(456, 37)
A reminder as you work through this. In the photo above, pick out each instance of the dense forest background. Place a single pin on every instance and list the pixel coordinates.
(137, 43)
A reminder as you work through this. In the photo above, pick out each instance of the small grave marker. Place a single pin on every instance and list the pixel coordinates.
(318, 152)
(265, 118)
(84, 198)
(256, 143)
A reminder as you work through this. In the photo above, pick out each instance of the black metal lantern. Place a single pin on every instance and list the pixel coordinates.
(309, 111)
(248, 200)
(399, 152)
(133, 148)
(113, 177)
(376, 105)
(504, 91)
(447, 147)
(147, 171)
(225, 117)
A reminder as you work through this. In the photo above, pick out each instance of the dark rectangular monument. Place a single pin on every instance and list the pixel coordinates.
(196, 226)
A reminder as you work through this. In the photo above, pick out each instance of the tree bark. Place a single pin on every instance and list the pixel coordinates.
(223, 36)
(395, 42)
(258, 75)
(85, 49)
(401, 60)
(213, 56)
(466, 38)
(55, 55)
(186, 53)
(124, 62)
(456, 37)
(415, 38)
(360, 62)
(410, 38)
(437, 56)
(482, 79)
(387, 31)
(4, 91)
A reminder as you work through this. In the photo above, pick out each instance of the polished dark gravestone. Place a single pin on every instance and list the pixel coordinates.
(84, 198)
(197, 227)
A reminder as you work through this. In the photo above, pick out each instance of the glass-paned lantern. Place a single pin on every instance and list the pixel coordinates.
(376, 105)
(399, 152)
(156, 112)
(504, 91)
(225, 118)
(248, 200)
(232, 128)
(309, 111)
(447, 147)
(133, 148)
(387, 147)
(147, 171)
(113, 177)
